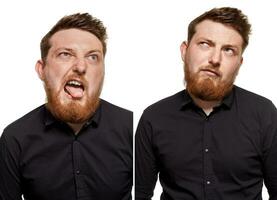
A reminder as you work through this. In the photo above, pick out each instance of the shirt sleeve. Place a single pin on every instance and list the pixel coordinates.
(270, 153)
(146, 168)
(9, 174)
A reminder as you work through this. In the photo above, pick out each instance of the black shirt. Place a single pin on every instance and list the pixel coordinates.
(223, 156)
(42, 158)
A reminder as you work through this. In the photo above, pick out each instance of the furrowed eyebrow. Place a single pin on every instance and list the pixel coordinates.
(65, 49)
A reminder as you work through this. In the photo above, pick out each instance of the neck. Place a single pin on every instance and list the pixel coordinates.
(207, 106)
(76, 127)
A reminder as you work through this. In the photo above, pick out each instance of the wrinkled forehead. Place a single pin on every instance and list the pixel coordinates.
(218, 32)
(73, 38)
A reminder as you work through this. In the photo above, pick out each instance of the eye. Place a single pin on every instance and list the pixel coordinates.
(94, 57)
(229, 51)
(64, 54)
(204, 44)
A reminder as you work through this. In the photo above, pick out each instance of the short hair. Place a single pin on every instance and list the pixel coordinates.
(81, 21)
(228, 16)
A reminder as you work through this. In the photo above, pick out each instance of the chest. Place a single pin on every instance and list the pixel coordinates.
(218, 145)
(90, 166)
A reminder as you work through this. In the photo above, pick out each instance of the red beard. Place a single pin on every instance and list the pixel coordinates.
(207, 89)
(72, 112)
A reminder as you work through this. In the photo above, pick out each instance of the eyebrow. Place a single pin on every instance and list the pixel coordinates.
(206, 40)
(225, 45)
(72, 50)
(231, 46)
(95, 51)
(64, 48)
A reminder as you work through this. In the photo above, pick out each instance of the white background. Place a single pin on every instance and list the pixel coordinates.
(143, 62)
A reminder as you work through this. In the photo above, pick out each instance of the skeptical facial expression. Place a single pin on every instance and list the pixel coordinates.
(73, 74)
(212, 60)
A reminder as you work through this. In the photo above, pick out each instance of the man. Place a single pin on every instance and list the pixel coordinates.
(76, 146)
(214, 140)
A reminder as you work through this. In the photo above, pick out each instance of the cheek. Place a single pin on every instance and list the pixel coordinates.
(196, 60)
(95, 78)
(58, 70)
(230, 73)
(53, 78)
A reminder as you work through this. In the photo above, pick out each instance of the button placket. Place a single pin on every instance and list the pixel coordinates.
(76, 166)
(208, 169)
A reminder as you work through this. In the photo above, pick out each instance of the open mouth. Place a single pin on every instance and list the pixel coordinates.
(74, 88)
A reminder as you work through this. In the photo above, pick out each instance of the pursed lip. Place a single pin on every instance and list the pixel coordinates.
(216, 73)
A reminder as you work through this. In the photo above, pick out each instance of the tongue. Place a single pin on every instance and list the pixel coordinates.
(75, 92)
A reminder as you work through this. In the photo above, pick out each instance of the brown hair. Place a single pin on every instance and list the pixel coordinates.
(232, 17)
(82, 21)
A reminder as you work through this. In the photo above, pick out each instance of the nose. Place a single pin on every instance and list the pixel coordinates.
(80, 66)
(215, 58)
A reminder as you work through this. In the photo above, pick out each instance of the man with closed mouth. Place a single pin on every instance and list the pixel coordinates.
(213, 140)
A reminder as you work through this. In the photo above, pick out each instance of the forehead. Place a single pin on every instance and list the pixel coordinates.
(75, 38)
(218, 32)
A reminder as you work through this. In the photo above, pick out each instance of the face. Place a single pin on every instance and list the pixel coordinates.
(73, 74)
(212, 60)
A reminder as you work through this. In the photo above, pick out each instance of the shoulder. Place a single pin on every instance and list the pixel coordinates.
(254, 108)
(22, 127)
(114, 110)
(252, 100)
(116, 121)
(116, 116)
(169, 104)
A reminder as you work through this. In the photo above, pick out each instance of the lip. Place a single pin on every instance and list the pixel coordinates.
(67, 92)
(211, 72)
(75, 79)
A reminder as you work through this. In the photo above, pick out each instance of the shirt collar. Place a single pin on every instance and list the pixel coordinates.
(187, 100)
(94, 120)
(49, 119)
(227, 101)
(229, 98)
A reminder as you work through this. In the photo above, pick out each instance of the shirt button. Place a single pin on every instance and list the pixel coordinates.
(78, 172)
(208, 182)
(206, 150)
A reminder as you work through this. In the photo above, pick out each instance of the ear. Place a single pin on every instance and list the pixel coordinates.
(241, 60)
(40, 69)
(183, 49)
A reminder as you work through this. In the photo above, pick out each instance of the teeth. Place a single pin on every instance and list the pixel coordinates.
(76, 83)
